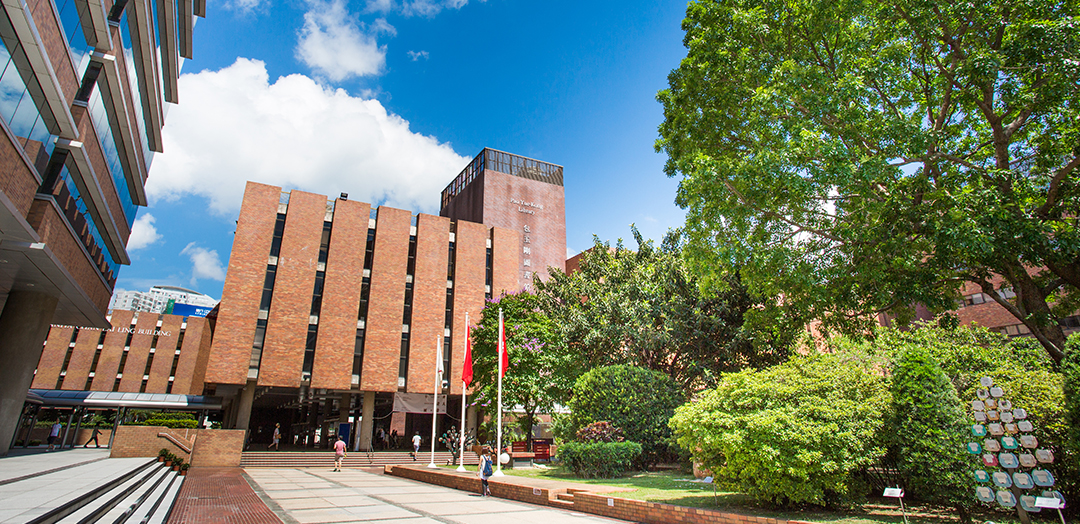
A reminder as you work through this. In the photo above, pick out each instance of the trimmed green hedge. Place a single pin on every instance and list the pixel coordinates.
(599, 459)
(171, 423)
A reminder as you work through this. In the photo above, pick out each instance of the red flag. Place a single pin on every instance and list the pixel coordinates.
(466, 372)
(505, 364)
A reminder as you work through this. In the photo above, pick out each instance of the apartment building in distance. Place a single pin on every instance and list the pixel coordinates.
(159, 298)
(82, 105)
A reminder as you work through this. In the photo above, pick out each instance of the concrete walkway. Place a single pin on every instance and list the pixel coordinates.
(25, 463)
(306, 496)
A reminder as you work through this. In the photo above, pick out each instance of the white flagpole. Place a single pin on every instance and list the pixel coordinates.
(461, 430)
(499, 372)
(435, 397)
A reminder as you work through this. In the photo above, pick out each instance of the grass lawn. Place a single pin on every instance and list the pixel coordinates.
(673, 487)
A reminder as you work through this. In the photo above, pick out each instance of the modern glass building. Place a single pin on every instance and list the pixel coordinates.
(83, 88)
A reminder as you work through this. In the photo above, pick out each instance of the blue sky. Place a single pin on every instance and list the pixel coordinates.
(387, 100)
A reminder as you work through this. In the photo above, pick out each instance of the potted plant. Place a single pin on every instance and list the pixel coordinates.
(183, 470)
(169, 458)
(161, 454)
(177, 463)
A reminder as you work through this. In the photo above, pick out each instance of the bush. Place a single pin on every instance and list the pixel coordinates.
(599, 459)
(171, 423)
(601, 431)
(791, 434)
(639, 401)
(928, 432)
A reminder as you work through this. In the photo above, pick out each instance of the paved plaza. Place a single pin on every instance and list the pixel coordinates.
(321, 495)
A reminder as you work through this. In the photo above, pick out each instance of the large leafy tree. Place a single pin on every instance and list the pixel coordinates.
(542, 371)
(858, 157)
(645, 308)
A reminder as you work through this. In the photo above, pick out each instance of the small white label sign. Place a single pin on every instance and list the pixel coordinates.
(610, 502)
(1048, 502)
(893, 492)
(536, 491)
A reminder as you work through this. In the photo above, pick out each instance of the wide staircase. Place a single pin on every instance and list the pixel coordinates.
(357, 459)
(115, 491)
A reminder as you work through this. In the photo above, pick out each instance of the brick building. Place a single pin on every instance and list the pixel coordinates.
(82, 108)
(333, 309)
(141, 353)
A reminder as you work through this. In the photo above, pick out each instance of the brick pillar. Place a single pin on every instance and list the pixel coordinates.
(367, 420)
(24, 324)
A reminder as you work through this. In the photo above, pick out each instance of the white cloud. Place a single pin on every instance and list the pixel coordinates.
(246, 6)
(234, 126)
(143, 233)
(417, 55)
(379, 6)
(334, 43)
(205, 263)
(429, 8)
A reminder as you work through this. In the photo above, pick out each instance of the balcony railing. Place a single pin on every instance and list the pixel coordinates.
(502, 162)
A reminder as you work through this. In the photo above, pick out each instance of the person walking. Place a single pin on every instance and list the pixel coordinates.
(54, 435)
(277, 437)
(339, 453)
(416, 440)
(380, 437)
(485, 471)
(93, 438)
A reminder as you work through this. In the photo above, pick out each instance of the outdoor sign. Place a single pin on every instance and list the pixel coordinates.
(1010, 453)
(893, 492)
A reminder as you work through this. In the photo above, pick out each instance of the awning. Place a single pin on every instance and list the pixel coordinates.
(111, 399)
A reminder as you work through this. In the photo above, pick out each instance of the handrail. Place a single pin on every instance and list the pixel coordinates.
(183, 444)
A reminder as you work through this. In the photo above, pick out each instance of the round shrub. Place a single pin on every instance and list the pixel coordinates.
(794, 433)
(636, 400)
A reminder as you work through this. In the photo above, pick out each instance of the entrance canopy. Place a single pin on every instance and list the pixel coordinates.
(116, 399)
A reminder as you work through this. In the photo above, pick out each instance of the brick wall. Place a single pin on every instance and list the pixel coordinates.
(82, 357)
(240, 297)
(18, 182)
(585, 502)
(138, 353)
(112, 350)
(469, 276)
(341, 296)
(52, 358)
(505, 198)
(429, 301)
(209, 448)
(164, 354)
(382, 345)
(194, 353)
(217, 448)
(143, 441)
(290, 309)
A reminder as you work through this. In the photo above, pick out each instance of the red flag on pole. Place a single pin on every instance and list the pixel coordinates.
(505, 363)
(466, 372)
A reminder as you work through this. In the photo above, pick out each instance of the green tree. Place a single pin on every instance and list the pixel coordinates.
(645, 308)
(858, 157)
(542, 371)
(638, 401)
(796, 433)
(1019, 366)
(928, 433)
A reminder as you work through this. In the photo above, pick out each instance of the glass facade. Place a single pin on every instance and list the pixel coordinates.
(100, 118)
(20, 113)
(136, 95)
(77, 214)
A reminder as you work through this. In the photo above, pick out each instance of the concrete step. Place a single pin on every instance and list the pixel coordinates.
(168, 501)
(124, 500)
(569, 497)
(562, 504)
(317, 459)
(83, 487)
